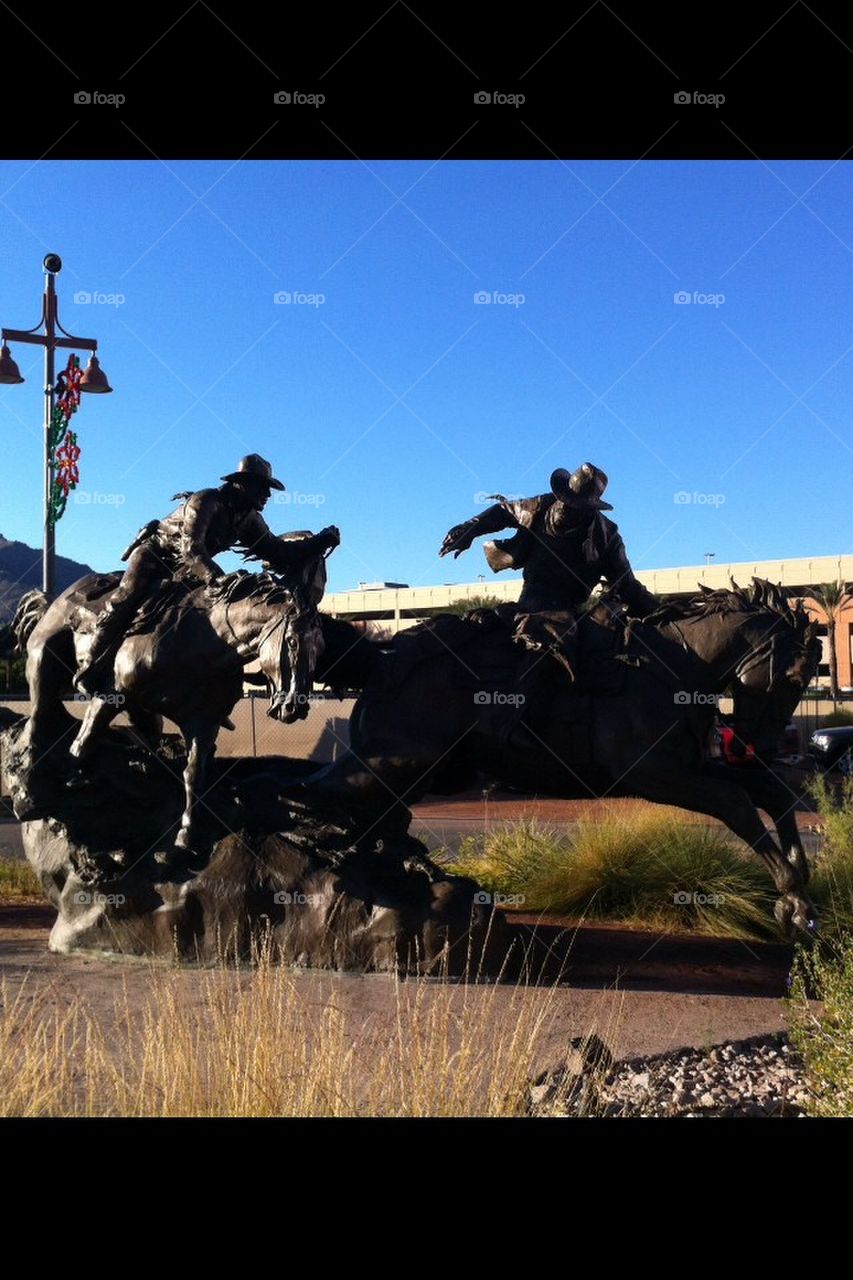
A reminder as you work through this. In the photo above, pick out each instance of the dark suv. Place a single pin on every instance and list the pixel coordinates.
(833, 749)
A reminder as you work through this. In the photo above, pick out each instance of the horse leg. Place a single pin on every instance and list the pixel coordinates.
(731, 803)
(200, 738)
(49, 668)
(99, 714)
(770, 793)
(146, 726)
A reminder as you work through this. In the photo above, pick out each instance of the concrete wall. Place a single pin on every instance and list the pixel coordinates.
(322, 736)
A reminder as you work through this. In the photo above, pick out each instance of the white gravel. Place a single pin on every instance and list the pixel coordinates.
(760, 1077)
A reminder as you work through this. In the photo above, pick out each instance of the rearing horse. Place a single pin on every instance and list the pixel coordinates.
(421, 726)
(183, 658)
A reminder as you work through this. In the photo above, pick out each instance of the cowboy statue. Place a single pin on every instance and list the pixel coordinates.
(182, 546)
(565, 547)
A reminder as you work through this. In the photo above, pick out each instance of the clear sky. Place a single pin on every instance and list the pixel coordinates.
(394, 404)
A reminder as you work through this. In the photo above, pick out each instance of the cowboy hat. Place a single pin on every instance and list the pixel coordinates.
(255, 467)
(581, 488)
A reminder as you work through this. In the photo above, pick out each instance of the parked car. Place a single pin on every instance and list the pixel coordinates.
(833, 749)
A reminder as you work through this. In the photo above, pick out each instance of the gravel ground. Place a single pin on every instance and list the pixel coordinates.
(759, 1077)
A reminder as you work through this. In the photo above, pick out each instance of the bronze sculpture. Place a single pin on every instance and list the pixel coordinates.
(183, 545)
(565, 546)
(183, 658)
(425, 722)
(626, 709)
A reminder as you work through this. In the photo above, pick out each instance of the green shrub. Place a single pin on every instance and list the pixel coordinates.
(650, 870)
(823, 1032)
(837, 720)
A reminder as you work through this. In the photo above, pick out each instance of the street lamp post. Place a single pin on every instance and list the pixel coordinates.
(49, 333)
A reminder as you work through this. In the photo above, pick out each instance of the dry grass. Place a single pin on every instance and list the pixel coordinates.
(18, 882)
(246, 1042)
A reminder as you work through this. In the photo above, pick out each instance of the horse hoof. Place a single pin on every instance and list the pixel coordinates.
(796, 914)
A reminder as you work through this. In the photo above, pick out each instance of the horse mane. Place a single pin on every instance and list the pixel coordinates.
(762, 596)
(262, 588)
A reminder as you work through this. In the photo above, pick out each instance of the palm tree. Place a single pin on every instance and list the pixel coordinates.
(832, 598)
(465, 605)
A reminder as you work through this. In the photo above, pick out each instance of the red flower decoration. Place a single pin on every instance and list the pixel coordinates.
(67, 473)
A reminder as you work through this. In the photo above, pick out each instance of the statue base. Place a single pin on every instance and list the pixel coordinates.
(268, 868)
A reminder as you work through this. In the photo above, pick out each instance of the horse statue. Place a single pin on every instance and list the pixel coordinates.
(182, 658)
(426, 718)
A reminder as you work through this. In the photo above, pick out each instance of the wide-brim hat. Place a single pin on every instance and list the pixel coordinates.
(581, 489)
(256, 467)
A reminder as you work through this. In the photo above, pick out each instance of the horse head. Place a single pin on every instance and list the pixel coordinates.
(289, 649)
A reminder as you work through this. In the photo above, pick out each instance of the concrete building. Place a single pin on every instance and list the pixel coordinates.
(390, 607)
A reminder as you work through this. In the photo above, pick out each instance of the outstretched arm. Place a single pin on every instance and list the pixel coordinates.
(284, 554)
(491, 520)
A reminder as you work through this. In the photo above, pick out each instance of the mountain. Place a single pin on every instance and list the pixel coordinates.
(20, 570)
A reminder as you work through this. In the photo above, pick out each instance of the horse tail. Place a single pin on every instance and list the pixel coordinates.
(31, 609)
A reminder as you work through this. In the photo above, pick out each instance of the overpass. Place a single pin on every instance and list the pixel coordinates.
(389, 608)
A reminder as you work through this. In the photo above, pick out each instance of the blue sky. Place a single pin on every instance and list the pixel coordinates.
(391, 406)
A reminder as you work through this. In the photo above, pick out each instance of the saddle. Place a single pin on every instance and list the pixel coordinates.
(488, 657)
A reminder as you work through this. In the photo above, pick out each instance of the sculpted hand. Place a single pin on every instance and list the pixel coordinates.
(458, 539)
(331, 535)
